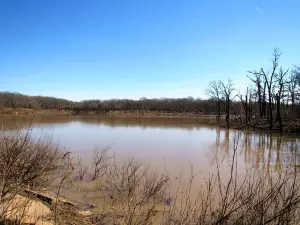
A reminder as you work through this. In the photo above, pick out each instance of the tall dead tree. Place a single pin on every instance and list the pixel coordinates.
(291, 91)
(293, 85)
(214, 92)
(281, 83)
(269, 79)
(226, 92)
(257, 80)
(264, 102)
(246, 102)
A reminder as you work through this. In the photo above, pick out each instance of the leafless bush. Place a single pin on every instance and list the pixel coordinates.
(81, 169)
(100, 162)
(132, 191)
(25, 163)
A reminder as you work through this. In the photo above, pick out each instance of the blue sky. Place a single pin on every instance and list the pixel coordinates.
(102, 49)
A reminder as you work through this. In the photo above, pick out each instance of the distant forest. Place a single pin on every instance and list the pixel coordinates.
(182, 105)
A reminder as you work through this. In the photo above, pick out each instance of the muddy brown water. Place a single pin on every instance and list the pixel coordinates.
(171, 145)
(166, 144)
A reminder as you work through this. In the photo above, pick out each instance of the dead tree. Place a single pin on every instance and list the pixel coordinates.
(293, 85)
(264, 102)
(269, 79)
(260, 91)
(100, 164)
(281, 83)
(246, 102)
(214, 92)
(226, 92)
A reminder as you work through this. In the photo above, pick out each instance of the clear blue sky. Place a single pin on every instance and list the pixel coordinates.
(101, 49)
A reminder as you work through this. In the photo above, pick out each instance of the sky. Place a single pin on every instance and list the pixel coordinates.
(104, 49)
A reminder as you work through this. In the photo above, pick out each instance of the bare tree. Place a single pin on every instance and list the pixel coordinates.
(101, 159)
(247, 105)
(269, 79)
(214, 92)
(293, 85)
(226, 91)
(81, 169)
(281, 83)
(134, 191)
(260, 91)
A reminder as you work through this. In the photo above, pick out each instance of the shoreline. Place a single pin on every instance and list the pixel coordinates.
(290, 127)
(120, 114)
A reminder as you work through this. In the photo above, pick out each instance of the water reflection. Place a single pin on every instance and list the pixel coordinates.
(188, 123)
(269, 152)
(174, 143)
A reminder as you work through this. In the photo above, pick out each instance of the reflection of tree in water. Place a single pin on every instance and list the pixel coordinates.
(247, 146)
(222, 147)
(269, 159)
(260, 150)
(276, 152)
(218, 131)
(188, 123)
(265, 152)
(226, 142)
(216, 147)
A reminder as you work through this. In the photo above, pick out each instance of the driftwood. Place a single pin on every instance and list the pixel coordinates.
(49, 197)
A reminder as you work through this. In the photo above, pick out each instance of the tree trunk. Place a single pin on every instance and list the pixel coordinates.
(293, 101)
(218, 113)
(260, 101)
(270, 111)
(264, 102)
(246, 111)
(249, 109)
(227, 112)
(278, 113)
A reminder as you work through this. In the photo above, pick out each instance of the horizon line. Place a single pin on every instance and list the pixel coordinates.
(95, 99)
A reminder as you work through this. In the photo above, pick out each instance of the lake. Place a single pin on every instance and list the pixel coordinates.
(168, 144)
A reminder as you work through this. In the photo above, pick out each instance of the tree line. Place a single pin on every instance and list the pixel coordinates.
(166, 105)
(17, 101)
(272, 96)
